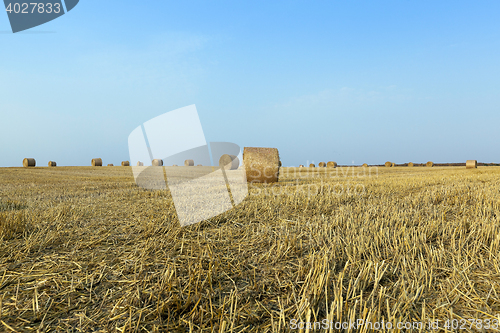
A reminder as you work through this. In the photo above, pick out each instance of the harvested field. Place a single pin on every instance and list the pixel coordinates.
(84, 249)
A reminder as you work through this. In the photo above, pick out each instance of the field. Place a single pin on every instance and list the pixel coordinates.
(84, 249)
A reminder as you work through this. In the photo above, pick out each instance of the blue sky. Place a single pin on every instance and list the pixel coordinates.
(347, 81)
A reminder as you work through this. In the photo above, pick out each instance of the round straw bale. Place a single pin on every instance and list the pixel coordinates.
(157, 162)
(96, 162)
(429, 164)
(188, 163)
(140, 163)
(261, 164)
(301, 166)
(29, 162)
(322, 164)
(174, 165)
(365, 165)
(111, 164)
(229, 162)
(410, 164)
(312, 165)
(199, 164)
(52, 164)
(125, 163)
(331, 164)
(471, 164)
(388, 164)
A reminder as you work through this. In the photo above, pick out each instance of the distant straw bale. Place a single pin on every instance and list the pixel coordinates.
(229, 162)
(365, 165)
(322, 164)
(111, 164)
(301, 166)
(410, 164)
(199, 164)
(429, 164)
(261, 164)
(140, 163)
(188, 163)
(157, 162)
(96, 162)
(312, 165)
(52, 164)
(471, 164)
(331, 164)
(125, 163)
(388, 164)
(29, 162)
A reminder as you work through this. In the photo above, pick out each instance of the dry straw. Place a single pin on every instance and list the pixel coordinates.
(125, 163)
(410, 164)
(322, 165)
(157, 162)
(429, 164)
(471, 164)
(331, 164)
(312, 165)
(96, 162)
(229, 162)
(140, 163)
(365, 165)
(52, 164)
(261, 164)
(188, 163)
(29, 162)
(111, 164)
(388, 164)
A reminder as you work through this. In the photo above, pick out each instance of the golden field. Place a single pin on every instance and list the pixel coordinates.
(83, 249)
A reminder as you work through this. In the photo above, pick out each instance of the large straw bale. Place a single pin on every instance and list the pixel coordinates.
(140, 163)
(410, 164)
(52, 164)
(157, 162)
(125, 163)
(429, 164)
(29, 162)
(301, 166)
(229, 162)
(261, 164)
(96, 162)
(188, 163)
(312, 165)
(388, 164)
(471, 164)
(365, 165)
(322, 164)
(111, 164)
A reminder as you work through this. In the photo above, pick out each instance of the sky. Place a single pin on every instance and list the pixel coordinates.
(347, 81)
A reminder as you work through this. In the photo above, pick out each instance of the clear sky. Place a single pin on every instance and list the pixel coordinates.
(347, 81)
